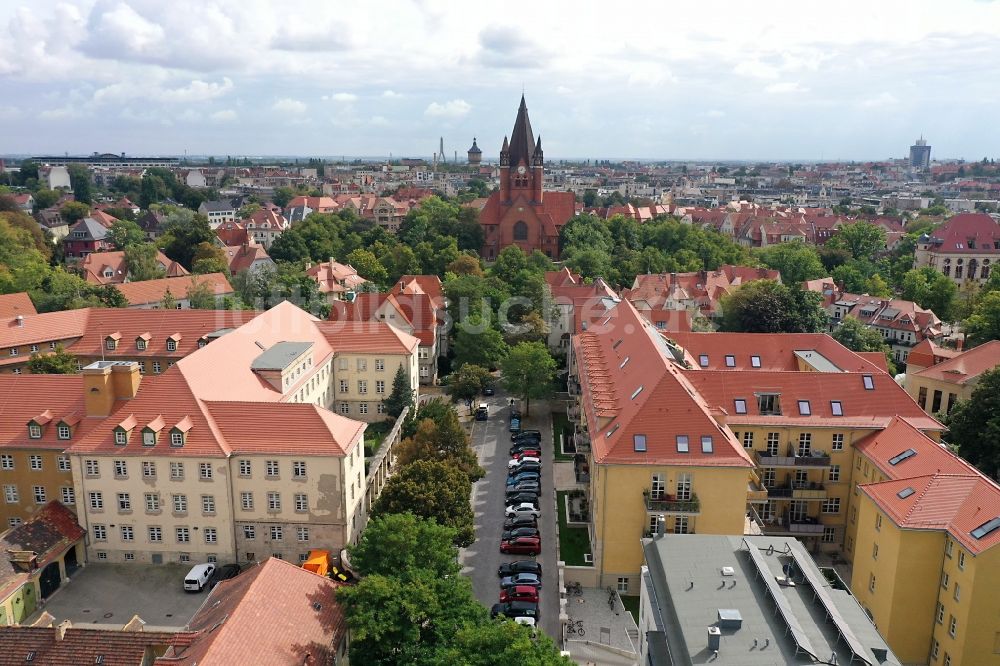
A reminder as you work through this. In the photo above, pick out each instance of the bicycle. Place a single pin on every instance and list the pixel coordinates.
(575, 627)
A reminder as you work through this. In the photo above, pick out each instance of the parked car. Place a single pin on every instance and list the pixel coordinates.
(515, 609)
(526, 435)
(515, 413)
(525, 446)
(225, 572)
(519, 497)
(488, 390)
(522, 545)
(519, 593)
(524, 466)
(515, 426)
(518, 532)
(520, 566)
(520, 520)
(531, 579)
(198, 577)
(523, 508)
(482, 412)
(523, 476)
(526, 453)
(532, 487)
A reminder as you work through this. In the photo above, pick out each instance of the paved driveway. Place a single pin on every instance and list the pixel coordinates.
(491, 441)
(110, 594)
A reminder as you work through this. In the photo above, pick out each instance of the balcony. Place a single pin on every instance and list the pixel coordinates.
(756, 492)
(581, 440)
(798, 526)
(572, 386)
(805, 490)
(664, 503)
(573, 411)
(792, 459)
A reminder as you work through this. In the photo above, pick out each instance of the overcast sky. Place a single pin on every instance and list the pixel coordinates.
(655, 79)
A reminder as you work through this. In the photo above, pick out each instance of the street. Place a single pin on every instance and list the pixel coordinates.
(491, 441)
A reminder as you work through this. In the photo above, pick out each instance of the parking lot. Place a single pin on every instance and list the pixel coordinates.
(110, 594)
(491, 441)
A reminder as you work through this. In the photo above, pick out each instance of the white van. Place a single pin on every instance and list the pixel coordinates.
(197, 578)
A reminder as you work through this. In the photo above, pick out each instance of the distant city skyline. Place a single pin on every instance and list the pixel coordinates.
(765, 81)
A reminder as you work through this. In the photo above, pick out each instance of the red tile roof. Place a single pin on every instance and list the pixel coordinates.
(877, 359)
(12, 305)
(703, 289)
(96, 264)
(953, 236)
(276, 613)
(925, 354)
(415, 311)
(82, 646)
(421, 284)
(966, 366)
(301, 429)
(50, 532)
(930, 457)
(330, 275)
(242, 257)
(367, 337)
(153, 291)
(24, 397)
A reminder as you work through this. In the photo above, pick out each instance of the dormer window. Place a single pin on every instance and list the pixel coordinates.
(171, 345)
(804, 408)
(730, 361)
(703, 360)
(140, 344)
(110, 344)
(869, 382)
(176, 438)
(148, 437)
(741, 406)
(63, 431)
(836, 408)
(34, 431)
(121, 437)
(769, 404)
(755, 361)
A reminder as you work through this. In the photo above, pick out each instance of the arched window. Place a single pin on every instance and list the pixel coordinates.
(520, 231)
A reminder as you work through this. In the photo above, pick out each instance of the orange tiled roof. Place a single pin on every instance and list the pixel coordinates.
(966, 366)
(12, 305)
(330, 274)
(301, 429)
(421, 284)
(153, 291)
(48, 533)
(82, 646)
(25, 397)
(925, 354)
(96, 264)
(929, 456)
(367, 336)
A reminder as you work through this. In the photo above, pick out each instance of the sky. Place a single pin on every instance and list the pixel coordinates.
(768, 79)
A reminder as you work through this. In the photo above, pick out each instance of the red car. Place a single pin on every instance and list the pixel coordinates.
(525, 545)
(527, 453)
(519, 593)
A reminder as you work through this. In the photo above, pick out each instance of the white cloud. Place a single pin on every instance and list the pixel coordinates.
(715, 113)
(882, 99)
(785, 87)
(198, 91)
(125, 27)
(224, 116)
(378, 121)
(649, 74)
(391, 94)
(7, 112)
(456, 108)
(563, 90)
(60, 113)
(756, 69)
(289, 105)
(344, 97)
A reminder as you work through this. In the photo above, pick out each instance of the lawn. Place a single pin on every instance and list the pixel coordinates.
(574, 542)
(632, 606)
(560, 424)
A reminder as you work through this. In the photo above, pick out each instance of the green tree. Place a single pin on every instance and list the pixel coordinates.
(124, 233)
(367, 265)
(46, 198)
(79, 179)
(529, 372)
(796, 261)
(209, 258)
(398, 543)
(401, 396)
(467, 265)
(142, 260)
(506, 642)
(974, 425)
(876, 286)
(200, 296)
(477, 344)
(932, 290)
(862, 239)
(857, 337)
(442, 442)
(431, 489)
(468, 382)
(74, 211)
(765, 306)
(59, 362)
(282, 195)
(183, 231)
(983, 324)
(169, 302)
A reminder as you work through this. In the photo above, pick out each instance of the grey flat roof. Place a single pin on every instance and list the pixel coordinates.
(690, 590)
(817, 360)
(280, 355)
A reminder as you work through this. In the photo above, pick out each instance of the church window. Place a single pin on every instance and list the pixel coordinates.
(520, 231)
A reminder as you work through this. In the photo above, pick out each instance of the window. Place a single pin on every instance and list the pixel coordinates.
(639, 443)
(183, 534)
(35, 463)
(211, 536)
(124, 502)
(274, 501)
(68, 496)
(271, 467)
(362, 386)
(121, 469)
(684, 487)
(769, 404)
(805, 444)
(63, 431)
(148, 438)
(171, 345)
(958, 592)
(362, 364)
(935, 648)
(952, 626)
(152, 502)
(961, 559)
(681, 525)
(96, 501)
(100, 533)
(302, 533)
(682, 443)
(831, 505)
(34, 431)
(155, 534)
(741, 406)
(140, 344)
(345, 408)
(829, 535)
(379, 386)
(343, 386)
(703, 360)
(706, 444)
(177, 470)
(878, 521)
(623, 585)
(834, 473)
(755, 361)
(804, 408)
(176, 438)
(381, 408)
(836, 408)
(246, 501)
(871, 582)
(249, 532)
(277, 533)
(748, 439)
(657, 487)
(208, 503)
(13, 351)
(730, 361)
(874, 551)
(362, 408)
(520, 230)
(205, 470)
(121, 437)
(945, 580)
(180, 503)
(148, 469)
(102, 555)
(10, 494)
(6, 461)
(128, 533)
(111, 344)
(869, 382)
(301, 502)
(39, 493)
(940, 613)
(838, 441)
(773, 442)
(244, 468)
(156, 367)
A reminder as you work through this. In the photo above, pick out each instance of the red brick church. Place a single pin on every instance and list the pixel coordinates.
(519, 213)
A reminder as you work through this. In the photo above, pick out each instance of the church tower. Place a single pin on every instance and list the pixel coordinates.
(521, 161)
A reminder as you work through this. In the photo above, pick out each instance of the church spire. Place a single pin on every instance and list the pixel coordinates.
(522, 141)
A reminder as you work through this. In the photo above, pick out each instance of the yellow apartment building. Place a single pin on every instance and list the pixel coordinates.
(939, 387)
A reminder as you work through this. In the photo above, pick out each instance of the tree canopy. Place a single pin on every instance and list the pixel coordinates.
(983, 324)
(974, 425)
(857, 337)
(930, 289)
(431, 489)
(401, 396)
(59, 362)
(796, 261)
(765, 306)
(529, 372)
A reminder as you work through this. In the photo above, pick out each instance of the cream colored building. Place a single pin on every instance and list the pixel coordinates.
(939, 387)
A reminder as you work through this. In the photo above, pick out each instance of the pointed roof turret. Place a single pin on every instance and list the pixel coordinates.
(536, 156)
(522, 141)
(475, 148)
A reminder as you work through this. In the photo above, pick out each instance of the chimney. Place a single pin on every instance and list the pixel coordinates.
(20, 321)
(104, 382)
(61, 629)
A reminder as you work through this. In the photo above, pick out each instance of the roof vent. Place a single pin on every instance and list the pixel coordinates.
(728, 571)
(262, 347)
(20, 324)
(729, 618)
(317, 606)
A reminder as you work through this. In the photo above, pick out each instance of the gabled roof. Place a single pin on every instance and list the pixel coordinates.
(276, 613)
(96, 264)
(12, 305)
(421, 284)
(367, 337)
(966, 366)
(83, 646)
(925, 354)
(153, 291)
(48, 534)
(330, 274)
(242, 257)
(927, 457)
(301, 429)
(953, 236)
(23, 397)
(414, 310)
(92, 230)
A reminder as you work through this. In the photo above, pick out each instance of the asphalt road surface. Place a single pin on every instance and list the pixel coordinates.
(491, 441)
